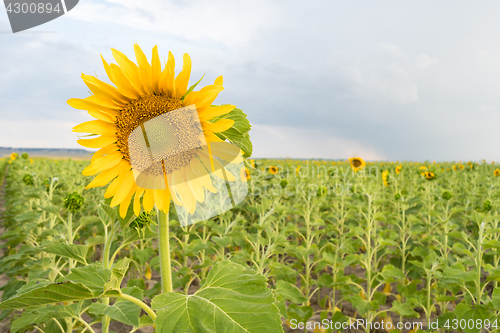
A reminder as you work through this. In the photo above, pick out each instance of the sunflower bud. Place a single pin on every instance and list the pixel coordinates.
(143, 220)
(25, 156)
(487, 206)
(397, 196)
(28, 180)
(73, 202)
(283, 183)
(321, 191)
(446, 195)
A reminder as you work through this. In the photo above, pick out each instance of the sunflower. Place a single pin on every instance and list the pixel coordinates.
(461, 167)
(385, 177)
(496, 172)
(454, 168)
(273, 169)
(141, 93)
(429, 175)
(398, 169)
(13, 156)
(423, 168)
(244, 174)
(357, 163)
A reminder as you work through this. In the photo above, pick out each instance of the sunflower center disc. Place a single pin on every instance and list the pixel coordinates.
(157, 135)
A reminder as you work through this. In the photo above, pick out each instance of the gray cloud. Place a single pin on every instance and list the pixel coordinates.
(390, 79)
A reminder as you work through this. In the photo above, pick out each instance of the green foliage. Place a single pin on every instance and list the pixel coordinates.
(231, 299)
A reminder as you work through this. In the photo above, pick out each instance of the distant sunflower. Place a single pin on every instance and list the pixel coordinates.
(461, 167)
(244, 174)
(357, 163)
(454, 168)
(429, 175)
(273, 169)
(385, 177)
(423, 168)
(141, 92)
(496, 172)
(13, 156)
(398, 169)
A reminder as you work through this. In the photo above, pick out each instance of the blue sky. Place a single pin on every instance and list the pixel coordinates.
(328, 79)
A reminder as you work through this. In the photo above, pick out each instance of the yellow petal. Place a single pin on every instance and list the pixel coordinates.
(218, 81)
(111, 148)
(204, 97)
(98, 142)
(123, 83)
(115, 185)
(217, 127)
(137, 201)
(103, 163)
(144, 69)
(162, 198)
(89, 103)
(124, 190)
(218, 169)
(215, 111)
(149, 201)
(126, 203)
(195, 185)
(211, 137)
(182, 80)
(155, 70)
(185, 194)
(226, 151)
(129, 69)
(95, 127)
(197, 168)
(102, 116)
(108, 175)
(167, 76)
(102, 88)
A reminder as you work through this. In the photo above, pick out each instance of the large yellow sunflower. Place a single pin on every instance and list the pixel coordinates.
(141, 92)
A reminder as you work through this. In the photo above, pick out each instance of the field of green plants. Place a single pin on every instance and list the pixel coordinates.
(393, 243)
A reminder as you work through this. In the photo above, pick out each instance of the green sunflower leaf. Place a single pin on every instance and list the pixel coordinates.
(232, 299)
(49, 294)
(72, 251)
(239, 132)
(123, 311)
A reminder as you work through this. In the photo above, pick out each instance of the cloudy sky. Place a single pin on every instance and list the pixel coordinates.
(328, 79)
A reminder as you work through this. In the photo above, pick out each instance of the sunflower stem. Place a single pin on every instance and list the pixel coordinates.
(164, 248)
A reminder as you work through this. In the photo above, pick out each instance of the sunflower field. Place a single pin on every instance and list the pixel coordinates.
(314, 241)
(171, 227)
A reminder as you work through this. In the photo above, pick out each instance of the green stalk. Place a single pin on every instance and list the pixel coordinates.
(105, 261)
(70, 239)
(138, 302)
(164, 249)
(479, 259)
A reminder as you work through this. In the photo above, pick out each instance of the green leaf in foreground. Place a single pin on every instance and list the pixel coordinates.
(232, 299)
(49, 294)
